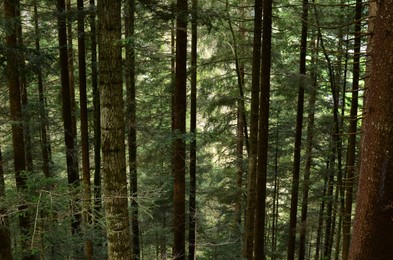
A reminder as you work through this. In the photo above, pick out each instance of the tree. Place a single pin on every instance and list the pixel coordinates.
(18, 141)
(131, 122)
(179, 129)
(252, 158)
(113, 130)
(193, 143)
(351, 152)
(263, 131)
(5, 236)
(298, 135)
(71, 157)
(373, 218)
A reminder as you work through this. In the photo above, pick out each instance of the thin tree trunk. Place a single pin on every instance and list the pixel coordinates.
(320, 220)
(298, 136)
(113, 130)
(84, 126)
(373, 224)
(252, 166)
(5, 236)
(71, 156)
(70, 52)
(131, 118)
(179, 129)
(24, 94)
(351, 152)
(193, 143)
(45, 140)
(97, 113)
(263, 131)
(308, 155)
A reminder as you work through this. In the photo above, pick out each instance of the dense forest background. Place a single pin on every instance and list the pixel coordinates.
(161, 129)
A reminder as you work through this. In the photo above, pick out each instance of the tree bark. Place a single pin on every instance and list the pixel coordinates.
(18, 141)
(308, 153)
(252, 165)
(113, 130)
(298, 135)
(97, 113)
(45, 139)
(84, 125)
(351, 151)
(5, 236)
(263, 131)
(193, 143)
(71, 156)
(131, 125)
(373, 223)
(179, 129)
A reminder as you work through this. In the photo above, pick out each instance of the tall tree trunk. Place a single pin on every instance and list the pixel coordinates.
(113, 130)
(193, 143)
(252, 166)
(298, 135)
(18, 142)
(351, 152)
(308, 155)
(24, 94)
(179, 129)
(70, 52)
(45, 140)
(71, 155)
(5, 236)
(263, 131)
(131, 126)
(373, 224)
(97, 113)
(84, 125)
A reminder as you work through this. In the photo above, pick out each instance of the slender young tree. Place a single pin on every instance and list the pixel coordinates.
(131, 125)
(351, 151)
(5, 236)
(71, 156)
(263, 132)
(298, 135)
(45, 139)
(252, 165)
(113, 130)
(179, 129)
(308, 152)
(84, 124)
(97, 111)
(373, 224)
(193, 143)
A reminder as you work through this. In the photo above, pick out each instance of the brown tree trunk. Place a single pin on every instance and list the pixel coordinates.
(351, 152)
(71, 155)
(5, 236)
(45, 140)
(179, 129)
(263, 131)
(84, 125)
(131, 125)
(97, 113)
(308, 153)
(252, 166)
(298, 136)
(18, 142)
(24, 94)
(373, 223)
(193, 143)
(113, 130)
